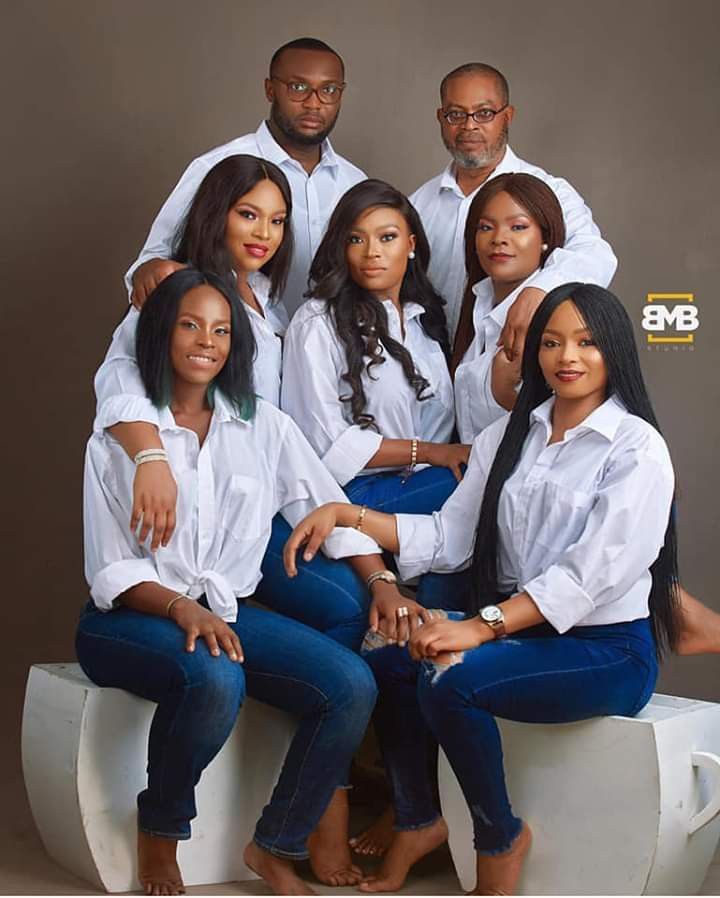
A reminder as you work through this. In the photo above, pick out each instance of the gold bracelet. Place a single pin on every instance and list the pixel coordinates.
(172, 601)
(361, 518)
(413, 453)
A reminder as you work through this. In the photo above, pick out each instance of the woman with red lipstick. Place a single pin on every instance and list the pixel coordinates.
(238, 225)
(365, 370)
(564, 521)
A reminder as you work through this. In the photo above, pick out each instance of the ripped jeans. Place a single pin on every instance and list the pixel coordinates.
(536, 676)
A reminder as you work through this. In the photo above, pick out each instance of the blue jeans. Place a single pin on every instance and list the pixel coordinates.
(423, 492)
(287, 665)
(536, 676)
(328, 595)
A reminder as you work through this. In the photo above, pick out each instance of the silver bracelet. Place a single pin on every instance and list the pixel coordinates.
(145, 455)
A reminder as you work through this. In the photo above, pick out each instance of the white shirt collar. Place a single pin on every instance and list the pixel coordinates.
(508, 163)
(270, 149)
(223, 410)
(259, 283)
(484, 297)
(605, 420)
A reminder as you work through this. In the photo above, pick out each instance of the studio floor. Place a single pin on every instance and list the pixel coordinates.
(25, 868)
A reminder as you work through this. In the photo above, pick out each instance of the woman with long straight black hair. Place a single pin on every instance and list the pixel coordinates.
(564, 517)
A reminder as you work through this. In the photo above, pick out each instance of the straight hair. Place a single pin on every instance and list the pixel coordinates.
(154, 335)
(540, 203)
(612, 331)
(200, 240)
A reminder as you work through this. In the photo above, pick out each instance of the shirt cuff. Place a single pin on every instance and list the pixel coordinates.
(345, 541)
(351, 452)
(416, 537)
(125, 408)
(547, 280)
(561, 600)
(114, 579)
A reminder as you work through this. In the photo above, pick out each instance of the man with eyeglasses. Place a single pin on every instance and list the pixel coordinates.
(474, 119)
(305, 87)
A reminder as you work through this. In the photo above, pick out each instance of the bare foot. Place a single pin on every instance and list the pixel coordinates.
(328, 846)
(700, 627)
(498, 874)
(407, 847)
(278, 872)
(376, 839)
(158, 870)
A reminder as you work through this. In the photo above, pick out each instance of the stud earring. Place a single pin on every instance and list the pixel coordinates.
(544, 247)
(411, 254)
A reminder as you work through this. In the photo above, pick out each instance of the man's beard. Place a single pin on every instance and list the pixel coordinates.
(479, 158)
(286, 126)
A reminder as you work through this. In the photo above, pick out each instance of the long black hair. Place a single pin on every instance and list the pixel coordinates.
(611, 329)
(200, 240)
(154, 334)
(360, 318)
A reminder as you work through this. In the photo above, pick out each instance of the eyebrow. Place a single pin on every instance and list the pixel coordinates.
(506, 217)
(242, 202)
(199, 318)
(578, 330)
(378, 228)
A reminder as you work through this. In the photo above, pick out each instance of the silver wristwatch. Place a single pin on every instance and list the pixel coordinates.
(493, 616)
(385, 576)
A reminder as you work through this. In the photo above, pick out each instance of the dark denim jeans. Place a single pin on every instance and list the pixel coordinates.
(536, 676)
(423, 492)
(287, 665)
(328, 595)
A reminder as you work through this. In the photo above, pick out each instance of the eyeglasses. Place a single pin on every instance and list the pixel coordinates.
(481, 116)
(298, 91)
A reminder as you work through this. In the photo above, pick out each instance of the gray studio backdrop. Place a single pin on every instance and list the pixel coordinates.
(105, 102)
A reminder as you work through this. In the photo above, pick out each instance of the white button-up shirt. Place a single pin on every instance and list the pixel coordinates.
(475, 405)
(228, 493)
(119, 388)
(314, 197)
(580, 522)
(314, 362)
(443, 208)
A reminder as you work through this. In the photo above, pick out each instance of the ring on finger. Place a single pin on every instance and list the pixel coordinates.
(402, 611)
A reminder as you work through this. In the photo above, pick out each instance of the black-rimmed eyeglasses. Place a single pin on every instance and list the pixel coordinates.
(481, 116)
(298, 91)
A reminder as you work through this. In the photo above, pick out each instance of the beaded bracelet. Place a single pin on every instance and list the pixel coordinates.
(145, 455)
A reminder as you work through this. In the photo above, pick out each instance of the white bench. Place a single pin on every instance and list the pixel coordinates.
(617, 805)
(84, 752)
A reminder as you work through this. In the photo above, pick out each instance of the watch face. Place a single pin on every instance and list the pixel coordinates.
(491, 614)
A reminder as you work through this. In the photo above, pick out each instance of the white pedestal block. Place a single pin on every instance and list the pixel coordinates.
(84, 752)
(617, 805)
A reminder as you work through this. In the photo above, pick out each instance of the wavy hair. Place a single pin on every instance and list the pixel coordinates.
(154, 335)
(612, 332)
(540, 203)
(200, 240)
(359, 317)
